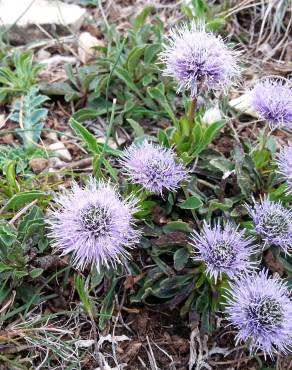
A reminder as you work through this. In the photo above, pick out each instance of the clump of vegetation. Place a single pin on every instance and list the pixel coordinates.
(170, 218)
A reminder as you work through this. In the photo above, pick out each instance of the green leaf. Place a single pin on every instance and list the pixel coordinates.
(151, 52)
(158, 93)
(4, 267)
(88, 139)
(87, 113)
(34, 215)
(138, 129)
(177, 225)
(124, 75)
(163, 138)
(215, 24)
(70, 74)
(171, 286)
(180, 258)
(107, 306)
(215, 204)
(96, 277)
(19, 199)
(193, 202)
(211, 132)
(36, 272)
(261, 158)
(8, 234)
(133, 58)
(141, 18)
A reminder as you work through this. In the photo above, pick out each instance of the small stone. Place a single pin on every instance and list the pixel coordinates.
(86, 44)
(60, 151)
(58, 60)
(38, 164)
(42, 55)
(55, 162)
(51, 136)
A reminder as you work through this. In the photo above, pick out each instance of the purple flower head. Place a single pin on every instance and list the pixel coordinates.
(154, 167)
(285, 165)
(272, 100)
(272, 222)
(94, 224)
(199, 60)
(260, 308)
(224, 250)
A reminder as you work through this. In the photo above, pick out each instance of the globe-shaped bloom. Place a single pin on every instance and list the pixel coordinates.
(94, 224)
(154, 167)
(272, 100)
(199, 60)
(285, 165)
(260, 308)
(224, 250)
(272, 222)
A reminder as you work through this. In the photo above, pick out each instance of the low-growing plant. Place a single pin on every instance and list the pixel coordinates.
(28, 113)
(189, 226)
(16, 80)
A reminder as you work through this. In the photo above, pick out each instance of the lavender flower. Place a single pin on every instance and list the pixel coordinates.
(94, 224)
(153, 166)
(199, 60)
(272, 100)
(224, 250)
(260, 308)
(285, 165)
(272, 222)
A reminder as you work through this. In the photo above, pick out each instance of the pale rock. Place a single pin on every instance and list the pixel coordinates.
(58, 60)
(30, 13)
(86, 44)
(242, 105)
(60, 151)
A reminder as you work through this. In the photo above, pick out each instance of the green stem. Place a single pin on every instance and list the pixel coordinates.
(264, 137)
(191, 112)
(193, 212)
(108, 134)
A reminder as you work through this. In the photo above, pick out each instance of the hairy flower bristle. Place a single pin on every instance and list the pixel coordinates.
(272, 100)
(285, 165)
(260, 308)
(154, 167)
(94, 224)
(272, 222)
(199, 60)
(223, 249)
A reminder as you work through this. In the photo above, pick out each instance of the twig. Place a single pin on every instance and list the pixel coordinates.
(228, 362)
(22, 211)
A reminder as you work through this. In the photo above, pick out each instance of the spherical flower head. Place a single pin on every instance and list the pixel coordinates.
(94, 224)
(154, 167)
(260, 308)
(272, 100)
(199, 60)
(272, 222)
(223, 249)
(285, 165)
